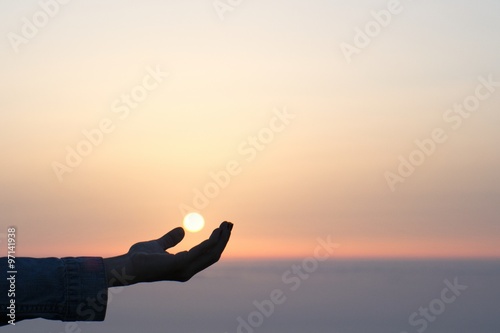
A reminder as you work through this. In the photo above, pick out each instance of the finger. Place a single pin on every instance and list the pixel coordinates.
(207, 244)
(211, 254)
(184, 265)
(171, 238)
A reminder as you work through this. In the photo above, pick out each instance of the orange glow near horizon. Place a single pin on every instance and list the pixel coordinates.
(239, 249)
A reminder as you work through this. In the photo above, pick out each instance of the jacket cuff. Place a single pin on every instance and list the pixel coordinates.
(87, 289)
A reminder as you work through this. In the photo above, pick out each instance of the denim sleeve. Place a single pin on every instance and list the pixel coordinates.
(67, 289)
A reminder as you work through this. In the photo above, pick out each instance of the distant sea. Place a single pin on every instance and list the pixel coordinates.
(337, 296)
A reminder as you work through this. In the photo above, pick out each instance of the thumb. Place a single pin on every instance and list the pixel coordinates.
(171, 238)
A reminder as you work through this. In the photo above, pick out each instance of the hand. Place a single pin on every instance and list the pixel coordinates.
(149, 261)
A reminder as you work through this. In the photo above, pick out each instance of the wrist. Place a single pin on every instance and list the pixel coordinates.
(116, 271)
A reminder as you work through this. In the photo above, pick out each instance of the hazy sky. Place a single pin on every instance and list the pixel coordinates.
(115, 116)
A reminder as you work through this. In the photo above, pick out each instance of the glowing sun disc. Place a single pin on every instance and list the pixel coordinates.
(194, 222)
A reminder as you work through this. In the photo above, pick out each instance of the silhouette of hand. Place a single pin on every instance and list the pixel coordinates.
(149, 261)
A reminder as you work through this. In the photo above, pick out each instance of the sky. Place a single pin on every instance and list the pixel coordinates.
(370, 123)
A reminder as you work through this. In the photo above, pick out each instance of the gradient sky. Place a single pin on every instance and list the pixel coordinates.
(322, 175)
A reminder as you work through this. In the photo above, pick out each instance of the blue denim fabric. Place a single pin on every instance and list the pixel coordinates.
(67, 289)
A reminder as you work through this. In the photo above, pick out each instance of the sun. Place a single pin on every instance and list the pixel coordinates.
(194, 222)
